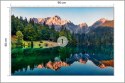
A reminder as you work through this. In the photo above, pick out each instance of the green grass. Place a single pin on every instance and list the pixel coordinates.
(36, 44)
(40, 44)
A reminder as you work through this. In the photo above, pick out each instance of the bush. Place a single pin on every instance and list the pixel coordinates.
(41, 41)
(13, 45)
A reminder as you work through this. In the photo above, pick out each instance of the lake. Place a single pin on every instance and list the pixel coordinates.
(80, 60)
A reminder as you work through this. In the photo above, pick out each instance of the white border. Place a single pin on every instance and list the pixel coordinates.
(118, 39)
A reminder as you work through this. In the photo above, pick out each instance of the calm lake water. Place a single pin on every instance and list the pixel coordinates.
(97, 61)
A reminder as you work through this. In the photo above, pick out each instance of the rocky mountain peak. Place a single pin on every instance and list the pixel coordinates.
(40, 19)
(56, 17)
(99, 22)
(81, 25)
(109, 23)
(56, 20)
(103, 20)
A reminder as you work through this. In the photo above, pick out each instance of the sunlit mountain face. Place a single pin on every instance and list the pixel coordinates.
(59, 23)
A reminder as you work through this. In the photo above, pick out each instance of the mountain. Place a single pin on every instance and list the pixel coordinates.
(59, 23)
(108, 23)
(82, 28)
(103, 22)
(83, 25)
(40, 20)
(55, 20)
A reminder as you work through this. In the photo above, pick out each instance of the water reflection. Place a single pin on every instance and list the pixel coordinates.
(66, 61)
(80, 67)
(81, 58)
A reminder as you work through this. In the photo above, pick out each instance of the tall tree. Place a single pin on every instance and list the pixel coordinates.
(30, 34)
(19, 37)
(31, 21)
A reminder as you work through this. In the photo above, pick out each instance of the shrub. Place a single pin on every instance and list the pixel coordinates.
(41, 41)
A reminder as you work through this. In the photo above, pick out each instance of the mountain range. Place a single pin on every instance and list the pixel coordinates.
(59, 23)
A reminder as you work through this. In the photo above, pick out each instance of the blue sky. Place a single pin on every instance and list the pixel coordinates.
(75, 15)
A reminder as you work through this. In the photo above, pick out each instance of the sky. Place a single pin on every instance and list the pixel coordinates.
(76, 15)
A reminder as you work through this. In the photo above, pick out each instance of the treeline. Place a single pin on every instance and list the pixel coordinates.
(98, 36)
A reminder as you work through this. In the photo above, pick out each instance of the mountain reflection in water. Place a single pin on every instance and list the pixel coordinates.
(57, 64)
(76, 64)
